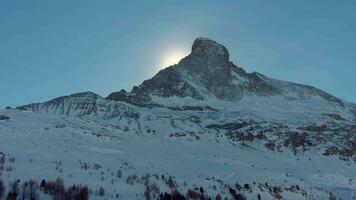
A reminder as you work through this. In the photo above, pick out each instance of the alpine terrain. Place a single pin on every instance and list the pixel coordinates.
(201, 129)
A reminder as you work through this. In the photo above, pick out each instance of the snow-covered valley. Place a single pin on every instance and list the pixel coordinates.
(48, 146)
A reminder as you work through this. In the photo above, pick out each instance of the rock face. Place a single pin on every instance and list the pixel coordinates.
(206, 72)
(3, 117)
(208, 67)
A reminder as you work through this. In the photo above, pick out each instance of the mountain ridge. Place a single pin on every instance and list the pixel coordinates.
(207, 76)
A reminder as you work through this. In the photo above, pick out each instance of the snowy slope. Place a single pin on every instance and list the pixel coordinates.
(169, 145)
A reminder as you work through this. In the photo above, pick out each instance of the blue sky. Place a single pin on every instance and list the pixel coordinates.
(54, 48)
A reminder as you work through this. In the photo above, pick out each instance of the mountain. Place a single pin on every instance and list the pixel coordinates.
(207, 75)
(202, 128)
(207, 72)
(207, 79)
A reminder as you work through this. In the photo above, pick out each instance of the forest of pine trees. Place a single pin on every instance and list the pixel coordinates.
(30, 190)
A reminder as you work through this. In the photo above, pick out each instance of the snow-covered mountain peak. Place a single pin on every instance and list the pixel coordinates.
(206, 75)
(209, 48)
(207, 58)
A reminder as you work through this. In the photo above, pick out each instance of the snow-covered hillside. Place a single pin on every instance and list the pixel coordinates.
(203, 128)
(180, 144)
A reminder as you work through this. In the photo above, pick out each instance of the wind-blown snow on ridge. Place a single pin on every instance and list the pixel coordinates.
(83, 104)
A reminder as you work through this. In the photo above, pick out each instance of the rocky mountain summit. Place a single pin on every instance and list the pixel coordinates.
(208, 72)
(207, 75)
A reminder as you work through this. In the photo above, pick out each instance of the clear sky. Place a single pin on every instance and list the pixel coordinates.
(54, 48)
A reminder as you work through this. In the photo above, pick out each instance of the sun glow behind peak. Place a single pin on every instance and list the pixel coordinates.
(172, 57)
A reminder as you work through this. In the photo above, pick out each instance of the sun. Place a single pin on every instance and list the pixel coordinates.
(172, 57)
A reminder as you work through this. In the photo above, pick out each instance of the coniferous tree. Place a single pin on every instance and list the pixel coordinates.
(33, 190)
(11, 196)
(43, 184)
(2, 189)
